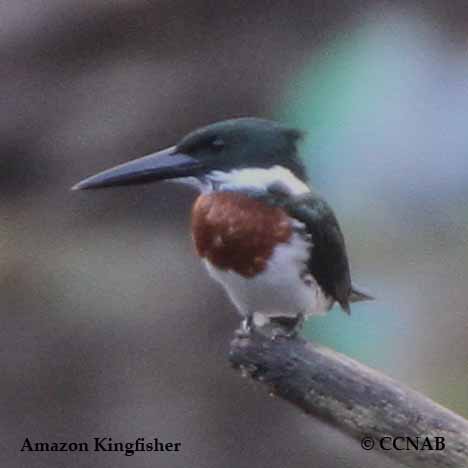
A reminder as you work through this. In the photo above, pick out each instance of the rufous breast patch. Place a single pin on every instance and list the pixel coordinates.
(237, 232)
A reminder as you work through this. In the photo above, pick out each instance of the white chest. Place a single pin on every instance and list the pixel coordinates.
(282, 289)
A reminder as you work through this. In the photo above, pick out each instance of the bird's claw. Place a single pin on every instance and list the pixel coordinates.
(279, 333)
(290, 332)
(245, 328)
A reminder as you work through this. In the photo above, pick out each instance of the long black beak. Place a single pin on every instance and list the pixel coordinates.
(165, 164)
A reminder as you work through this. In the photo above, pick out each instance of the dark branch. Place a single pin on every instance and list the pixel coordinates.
(354, 398)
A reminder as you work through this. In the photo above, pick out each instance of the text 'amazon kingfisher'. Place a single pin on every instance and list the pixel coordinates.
(271, 241)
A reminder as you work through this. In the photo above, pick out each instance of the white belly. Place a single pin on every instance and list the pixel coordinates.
(279, 290)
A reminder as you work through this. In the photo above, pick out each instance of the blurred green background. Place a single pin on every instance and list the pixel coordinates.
(111, 326)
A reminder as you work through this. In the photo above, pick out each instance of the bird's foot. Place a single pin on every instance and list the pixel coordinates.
(289, 327)
(245, 328)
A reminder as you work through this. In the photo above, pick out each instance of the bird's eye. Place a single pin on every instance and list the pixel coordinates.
(217, 143)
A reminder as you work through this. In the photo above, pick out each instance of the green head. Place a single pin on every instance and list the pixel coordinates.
(222, 148)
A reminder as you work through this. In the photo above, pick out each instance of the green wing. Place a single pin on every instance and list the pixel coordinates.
(328, 262)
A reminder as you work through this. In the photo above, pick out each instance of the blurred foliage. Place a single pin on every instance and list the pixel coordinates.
(366, 101)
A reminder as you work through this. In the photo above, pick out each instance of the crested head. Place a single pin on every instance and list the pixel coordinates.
(244, 143)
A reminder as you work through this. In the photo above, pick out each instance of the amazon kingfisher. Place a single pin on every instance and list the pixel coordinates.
(262, 232)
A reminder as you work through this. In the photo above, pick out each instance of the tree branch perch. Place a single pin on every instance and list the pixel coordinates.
(352, 397)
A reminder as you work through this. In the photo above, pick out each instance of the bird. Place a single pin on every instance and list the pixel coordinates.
(259, 226)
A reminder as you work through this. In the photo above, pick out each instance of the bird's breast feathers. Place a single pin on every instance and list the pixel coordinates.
(258, 252)
(236, 232)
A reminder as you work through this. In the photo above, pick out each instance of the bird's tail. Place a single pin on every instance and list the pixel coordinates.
(358, 295)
